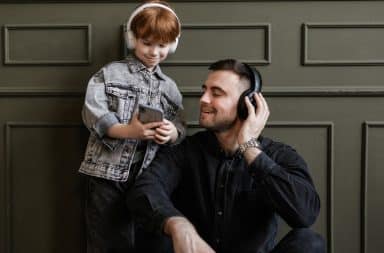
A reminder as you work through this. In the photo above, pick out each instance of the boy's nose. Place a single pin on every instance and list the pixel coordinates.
(154, 50)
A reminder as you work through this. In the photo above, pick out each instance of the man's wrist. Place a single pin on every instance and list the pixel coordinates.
(172, 224)
(251, 143)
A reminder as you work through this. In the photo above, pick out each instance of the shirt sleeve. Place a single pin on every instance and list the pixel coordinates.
(96, 115)
(288, 186)
(150, 199)
(180, 125)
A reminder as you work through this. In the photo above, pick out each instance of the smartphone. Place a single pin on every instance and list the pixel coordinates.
(149, 114)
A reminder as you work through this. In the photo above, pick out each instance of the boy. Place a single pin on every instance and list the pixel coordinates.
(120, 146)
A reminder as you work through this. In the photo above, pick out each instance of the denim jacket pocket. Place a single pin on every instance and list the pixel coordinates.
(102, 154)
(121, 100)
(170, 107)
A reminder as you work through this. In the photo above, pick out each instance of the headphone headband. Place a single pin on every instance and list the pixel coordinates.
(150, 5)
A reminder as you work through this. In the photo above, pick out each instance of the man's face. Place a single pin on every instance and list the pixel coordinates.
(218, 103)
(151, 53)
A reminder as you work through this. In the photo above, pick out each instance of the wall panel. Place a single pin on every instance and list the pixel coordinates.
(47, 44)
(321, 62)
(372, 187)
(41, 186)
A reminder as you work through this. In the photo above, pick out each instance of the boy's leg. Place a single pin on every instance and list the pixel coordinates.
(109, 227)
(301, 240)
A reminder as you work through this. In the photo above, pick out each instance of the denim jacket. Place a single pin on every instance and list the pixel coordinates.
(112, 96)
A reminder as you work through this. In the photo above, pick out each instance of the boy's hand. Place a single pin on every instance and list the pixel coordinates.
(167, 132)
(138, 130)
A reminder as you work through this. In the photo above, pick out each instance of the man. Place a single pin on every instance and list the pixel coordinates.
(227, 188)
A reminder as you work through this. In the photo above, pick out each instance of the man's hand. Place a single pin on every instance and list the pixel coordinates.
(256, 120)
(253, 125)
(184, 236)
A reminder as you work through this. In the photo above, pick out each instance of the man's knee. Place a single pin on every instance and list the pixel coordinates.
(302, 240)
(310, 241)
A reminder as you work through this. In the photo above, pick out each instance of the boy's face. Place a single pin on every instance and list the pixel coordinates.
(151, 53)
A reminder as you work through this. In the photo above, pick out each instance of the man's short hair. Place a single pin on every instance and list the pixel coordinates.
(232, 65)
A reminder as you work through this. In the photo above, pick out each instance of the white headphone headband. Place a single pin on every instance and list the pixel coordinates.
(149, 5)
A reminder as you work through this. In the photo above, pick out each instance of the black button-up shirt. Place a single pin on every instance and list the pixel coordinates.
(233, 206)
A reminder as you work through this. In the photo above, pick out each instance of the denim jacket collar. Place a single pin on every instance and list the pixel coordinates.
(135, 65)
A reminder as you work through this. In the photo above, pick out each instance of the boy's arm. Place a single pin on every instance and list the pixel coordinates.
(135, 130)
(96, 115)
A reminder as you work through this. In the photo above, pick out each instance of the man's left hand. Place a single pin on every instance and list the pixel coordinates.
(256, 120)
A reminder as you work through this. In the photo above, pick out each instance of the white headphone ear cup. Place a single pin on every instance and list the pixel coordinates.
(131, 40)
(173, 45)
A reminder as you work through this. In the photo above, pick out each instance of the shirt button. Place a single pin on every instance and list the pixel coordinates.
(220, 213)
(217, 240)
(221, 185)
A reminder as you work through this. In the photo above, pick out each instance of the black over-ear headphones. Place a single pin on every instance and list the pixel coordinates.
(256, 83)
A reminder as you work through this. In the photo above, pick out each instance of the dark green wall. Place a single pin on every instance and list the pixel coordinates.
(322, 65)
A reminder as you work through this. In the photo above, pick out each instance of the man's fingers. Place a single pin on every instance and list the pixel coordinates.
(250, 107)
(264, 105)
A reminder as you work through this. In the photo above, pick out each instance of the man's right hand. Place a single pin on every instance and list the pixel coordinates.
(184, 236)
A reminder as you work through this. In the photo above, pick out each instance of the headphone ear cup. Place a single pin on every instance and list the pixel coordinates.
(173, 45)
(242, 110)
(130, 39)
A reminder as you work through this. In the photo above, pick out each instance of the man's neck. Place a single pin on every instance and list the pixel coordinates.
(228, 140)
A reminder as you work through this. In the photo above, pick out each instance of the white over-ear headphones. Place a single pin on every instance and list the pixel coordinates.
(130, 37)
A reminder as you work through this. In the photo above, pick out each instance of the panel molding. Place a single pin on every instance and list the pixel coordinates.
(8, 165)
(6, 44)
(193, 91)
(306, 61)
(267, 42)
(317, 91)
(364, 179)
(329, 126)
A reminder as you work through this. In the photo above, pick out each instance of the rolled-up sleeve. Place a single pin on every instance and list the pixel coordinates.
(96, 115)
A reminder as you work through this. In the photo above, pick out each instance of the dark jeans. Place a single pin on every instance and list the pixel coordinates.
(109, 224)
(301, 240)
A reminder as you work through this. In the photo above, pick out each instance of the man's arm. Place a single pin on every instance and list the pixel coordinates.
(150, 201)
(150, 197)
(285, 178)
(185, 239)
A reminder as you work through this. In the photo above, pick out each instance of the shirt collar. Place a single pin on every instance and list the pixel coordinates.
(135, 65)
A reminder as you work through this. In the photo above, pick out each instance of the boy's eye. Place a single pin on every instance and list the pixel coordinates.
(146, 43)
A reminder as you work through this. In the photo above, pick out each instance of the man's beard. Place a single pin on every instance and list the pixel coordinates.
(219, 127)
